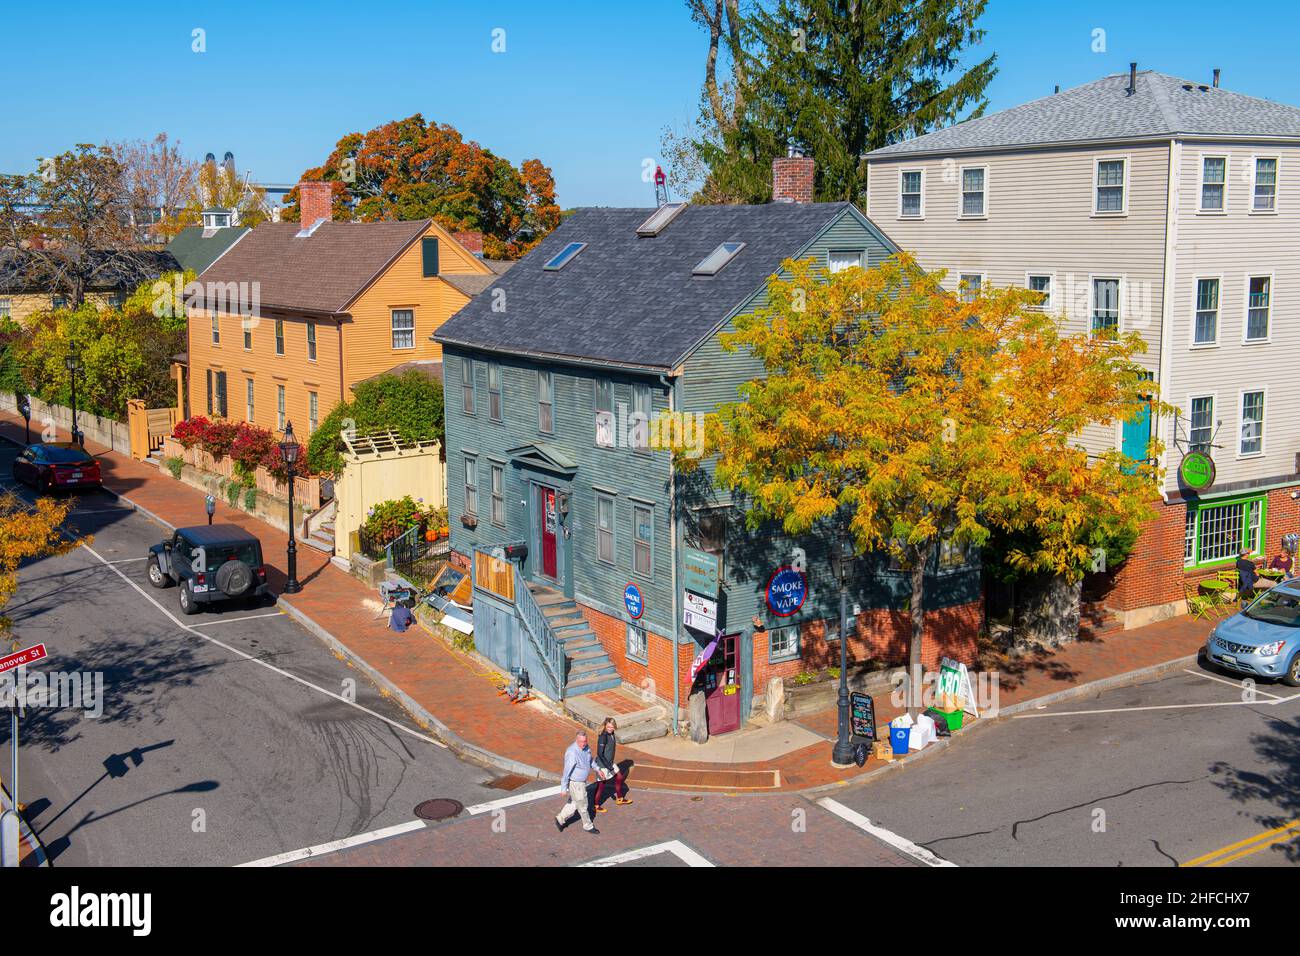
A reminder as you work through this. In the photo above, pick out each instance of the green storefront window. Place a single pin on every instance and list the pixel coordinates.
(1216, 532)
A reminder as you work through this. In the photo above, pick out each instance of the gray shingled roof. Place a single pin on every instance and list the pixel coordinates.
(1163, 106)
(195, 248)
(630, 300)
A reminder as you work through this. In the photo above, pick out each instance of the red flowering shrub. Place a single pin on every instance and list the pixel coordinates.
(190, 431)
(218, 437)
(273, 462)
(250, 448)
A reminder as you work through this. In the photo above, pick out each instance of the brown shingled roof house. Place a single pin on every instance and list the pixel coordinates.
(295, 314)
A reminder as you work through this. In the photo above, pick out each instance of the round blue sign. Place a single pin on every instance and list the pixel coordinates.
(787, 589)
(632, 598)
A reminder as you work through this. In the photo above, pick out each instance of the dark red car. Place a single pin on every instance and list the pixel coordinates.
(55, 466)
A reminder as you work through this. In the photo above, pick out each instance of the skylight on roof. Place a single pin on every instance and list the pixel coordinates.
(563, 257)
(660, 218)
(712, 263)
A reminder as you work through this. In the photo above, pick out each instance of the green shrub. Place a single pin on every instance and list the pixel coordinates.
(389, 519)
(408, 404)
(250, 499)
(232, 493)
(174, 465)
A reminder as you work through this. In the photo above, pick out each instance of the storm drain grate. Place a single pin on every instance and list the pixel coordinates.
(511, 781)
(440, 809)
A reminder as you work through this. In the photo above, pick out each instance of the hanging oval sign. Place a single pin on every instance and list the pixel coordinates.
(632, 600)
(1197, 470)
(787, 589)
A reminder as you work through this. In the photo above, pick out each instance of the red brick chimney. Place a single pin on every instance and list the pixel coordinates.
(315, 202)
(471, 239)
(792, 178)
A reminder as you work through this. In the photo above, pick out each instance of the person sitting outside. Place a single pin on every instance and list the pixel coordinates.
(1281, 562)
(1247, 575)
(401, 618)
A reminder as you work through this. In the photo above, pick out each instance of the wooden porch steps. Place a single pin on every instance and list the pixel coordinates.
(587, 667)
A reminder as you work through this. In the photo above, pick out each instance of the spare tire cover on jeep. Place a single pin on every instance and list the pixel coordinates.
(234, 578)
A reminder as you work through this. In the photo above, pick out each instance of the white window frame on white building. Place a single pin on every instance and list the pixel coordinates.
(982, 192)
(1097, 186)
(920, 194)
(1192, 443)
(1252, 199)
(1197, 311)
(1222, 208)
(1092, 302)
(1049, 304)
(1246, 337)
(1258, 431)
(969, 294)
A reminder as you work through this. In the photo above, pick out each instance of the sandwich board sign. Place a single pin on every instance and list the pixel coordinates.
(862, 715)
(954, 680)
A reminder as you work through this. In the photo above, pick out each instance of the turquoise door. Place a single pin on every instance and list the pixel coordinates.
(1137, 437)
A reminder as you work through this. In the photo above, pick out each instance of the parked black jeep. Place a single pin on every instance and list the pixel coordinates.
(219, 562)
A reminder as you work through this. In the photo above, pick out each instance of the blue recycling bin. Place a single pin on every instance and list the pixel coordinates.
(899, 737)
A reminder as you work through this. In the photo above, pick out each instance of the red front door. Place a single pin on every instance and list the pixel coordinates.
(550, 522)
(722, 687)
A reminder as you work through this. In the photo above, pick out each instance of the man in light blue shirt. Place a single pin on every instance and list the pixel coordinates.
(573, 783)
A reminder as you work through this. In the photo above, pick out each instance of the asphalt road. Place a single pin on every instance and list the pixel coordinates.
(222, 739)
(1160, 774)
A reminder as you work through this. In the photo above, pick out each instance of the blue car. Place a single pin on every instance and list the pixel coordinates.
(1263, 640)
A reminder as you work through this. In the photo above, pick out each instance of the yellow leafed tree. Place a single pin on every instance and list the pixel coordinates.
(27, 533)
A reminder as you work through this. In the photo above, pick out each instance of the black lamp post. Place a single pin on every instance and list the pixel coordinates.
(842, 563)
(289, 455)
(25, 410)
(73, 364)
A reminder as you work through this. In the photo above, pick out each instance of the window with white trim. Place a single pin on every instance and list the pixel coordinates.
(1205, 330)
(403, 328)
(1214, 182)
(279, 407)
(1264, 197)
(643, 540)
(216, 329)
(1042, 284)
(311, 341)
(471, 485)
(6, 308)
(467, 385)
(1259, 297)
(840, 260)
(1252, 423)
(313, 412)
(641, 409)
(972, 191)
(970, 285)
(1105, 307)
(546, 402)
(783, 643)
(637, 644)
(604, 413)
(279, 336)
(248, 399)
(1110, 186)
(248, 334)
(605, 528)
(1201, 431)
(494, 391)
(499, 495)
(909, 200)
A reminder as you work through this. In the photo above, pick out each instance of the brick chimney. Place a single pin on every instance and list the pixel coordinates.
(792, 178)
(471, 239)
(315, 202)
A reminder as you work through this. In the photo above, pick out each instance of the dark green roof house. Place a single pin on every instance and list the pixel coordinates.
(616, 315)
(197, 247)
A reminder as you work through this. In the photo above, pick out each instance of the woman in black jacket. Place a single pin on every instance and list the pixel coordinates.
(606, 768)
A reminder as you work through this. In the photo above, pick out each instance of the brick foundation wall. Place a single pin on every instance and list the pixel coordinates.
(655, 676)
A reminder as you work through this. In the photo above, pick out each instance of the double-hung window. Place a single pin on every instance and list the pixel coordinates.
(1042, 284)
(216, 328)
(471, 485)
(970, 284)
(604, 413)
(546, 402)
(1264, 195)
(403, 328)
(499, 495)
(783, 643)
(1214, 183)
(972, 191)
(641, 418)
(313, 412)
(643, 540)
(910, 205)
(467, 385)
(494, 391)
(1218, 532)
(1205, 330)
(605, 528)
(279, 407)
(279, 336)
(1110, 186)
(221, 409)
(1252, 423)
(248, 399)
(1105, 307)
(311, 341)
(1201, 430)
(637, 648)
(1259, 298)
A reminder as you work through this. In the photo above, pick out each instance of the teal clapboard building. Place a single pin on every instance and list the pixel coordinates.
(617, 314)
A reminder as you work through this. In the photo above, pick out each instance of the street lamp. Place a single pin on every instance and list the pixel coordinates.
(25, 410)
(73, 364)
(289, 455)
(842, 558)
(211, 504)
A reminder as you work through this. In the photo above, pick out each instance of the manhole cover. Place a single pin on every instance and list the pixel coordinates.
(440, 809)
(511, 781)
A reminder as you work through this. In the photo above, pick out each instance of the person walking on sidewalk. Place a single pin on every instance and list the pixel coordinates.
(606, 768)
(573, 782)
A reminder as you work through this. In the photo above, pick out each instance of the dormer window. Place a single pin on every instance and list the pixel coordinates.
(216, 219)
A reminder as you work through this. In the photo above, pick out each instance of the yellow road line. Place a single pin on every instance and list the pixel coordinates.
(1283, 838)
(1276, 835)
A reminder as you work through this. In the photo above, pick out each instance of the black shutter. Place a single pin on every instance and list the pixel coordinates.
(221, 394)
(209, 391)
(430, 249)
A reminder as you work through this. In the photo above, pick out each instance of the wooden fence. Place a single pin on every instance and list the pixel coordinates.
(306, 491)
(148, 427)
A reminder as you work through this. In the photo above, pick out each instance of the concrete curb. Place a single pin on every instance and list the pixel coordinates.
(454, 741)
(1126, 679)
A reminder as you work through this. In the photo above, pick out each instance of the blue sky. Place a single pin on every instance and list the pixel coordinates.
(587, 87)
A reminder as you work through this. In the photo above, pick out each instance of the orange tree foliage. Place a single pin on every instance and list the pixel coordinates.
(26, 534)
(899, 415)
(410, 169)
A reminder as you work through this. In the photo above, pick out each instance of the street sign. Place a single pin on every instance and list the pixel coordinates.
(1197, 470)
(28, 655)
(699, 613)
(701, 572)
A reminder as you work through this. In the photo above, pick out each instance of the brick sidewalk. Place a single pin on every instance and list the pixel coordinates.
(462, 697)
